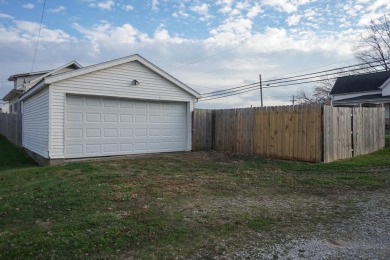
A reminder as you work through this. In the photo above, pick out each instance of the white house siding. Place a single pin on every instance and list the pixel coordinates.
(113, 82)
(36, 123)
(352, 95)
(386, 89)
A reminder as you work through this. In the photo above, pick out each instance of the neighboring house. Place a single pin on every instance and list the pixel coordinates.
(124, 106)
(363, 90)
(4, 108)
(23, 82)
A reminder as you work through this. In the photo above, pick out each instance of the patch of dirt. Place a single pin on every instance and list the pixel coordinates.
(366, 235)
(206, 156)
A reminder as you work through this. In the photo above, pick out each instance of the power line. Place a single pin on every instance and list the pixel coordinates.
(254, 86)
(285, 80)
(341, 68)
(39, 35)
(248, 89)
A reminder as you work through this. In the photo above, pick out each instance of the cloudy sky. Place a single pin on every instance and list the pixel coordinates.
(209, 45)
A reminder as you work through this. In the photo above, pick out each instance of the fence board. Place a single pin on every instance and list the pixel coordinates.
(307, 133)
(11, 127)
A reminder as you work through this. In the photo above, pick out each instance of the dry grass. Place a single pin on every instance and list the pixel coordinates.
(191, 205)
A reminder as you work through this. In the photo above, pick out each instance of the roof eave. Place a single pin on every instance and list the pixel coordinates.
(33, 90)
(359, 101)
(12, 94)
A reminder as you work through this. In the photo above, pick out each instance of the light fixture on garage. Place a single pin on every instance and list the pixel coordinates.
(134, 82)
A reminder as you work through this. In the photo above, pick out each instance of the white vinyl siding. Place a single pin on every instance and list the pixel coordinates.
(36, 123)
(113, 82)
(386, 88)
(356, 94)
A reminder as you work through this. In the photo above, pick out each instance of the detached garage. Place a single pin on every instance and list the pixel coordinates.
(125, 106)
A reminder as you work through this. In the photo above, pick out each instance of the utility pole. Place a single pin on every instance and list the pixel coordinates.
(293, 100)
(261, 91)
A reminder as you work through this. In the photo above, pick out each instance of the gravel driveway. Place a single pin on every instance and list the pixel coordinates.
(364, 236)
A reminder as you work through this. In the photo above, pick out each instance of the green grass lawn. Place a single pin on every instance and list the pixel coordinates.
(194, 205)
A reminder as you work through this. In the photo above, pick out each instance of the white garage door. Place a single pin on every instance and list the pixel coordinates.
(97, 126)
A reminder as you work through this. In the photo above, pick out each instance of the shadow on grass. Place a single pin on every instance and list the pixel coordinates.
(12, 157)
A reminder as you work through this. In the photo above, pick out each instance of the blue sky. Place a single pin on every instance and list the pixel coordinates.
(209, 45)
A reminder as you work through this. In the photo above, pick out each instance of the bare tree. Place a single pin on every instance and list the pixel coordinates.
(321, 92)
(375, 45)
(373, 49)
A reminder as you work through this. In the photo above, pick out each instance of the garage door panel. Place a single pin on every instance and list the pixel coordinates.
(110, 103)
(110, 118)
(73, 133)
(141, 118)
(106, 126)
(92, 133)
(75, 117)
(141, 146)
(126, 147)
(154, 132)
(110, 133)
(126, 118)
(93, 148)
(126, 132)
(75, 149)
(110, 148)
(74, 101)
(123, 103)
(141, 105)
(92, 102)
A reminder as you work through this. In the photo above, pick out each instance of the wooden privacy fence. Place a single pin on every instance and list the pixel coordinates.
(308, 133)
(350, 132)
(11, 127)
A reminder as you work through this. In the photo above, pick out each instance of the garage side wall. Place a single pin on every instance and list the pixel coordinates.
(35, 120)
(113, 82)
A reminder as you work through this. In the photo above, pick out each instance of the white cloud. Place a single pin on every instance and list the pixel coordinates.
(107, 5)
(180, 13)
(6, 16)
(28, 30)
(25, 32)
(293, 20)
(104, 34)
(155, 4)
(28, 6)
(283, 5)
(234, 53)
(254, 11)
(202, 10)
(231, 31)
(128, 8)
(162, 35)
(59, 9)
(226, 6)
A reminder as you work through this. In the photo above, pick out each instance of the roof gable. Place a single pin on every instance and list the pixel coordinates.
(72, 64)
(112, 63)
(360, 83)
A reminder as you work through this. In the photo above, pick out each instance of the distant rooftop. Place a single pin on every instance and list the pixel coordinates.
(13, 77)
(360, 83)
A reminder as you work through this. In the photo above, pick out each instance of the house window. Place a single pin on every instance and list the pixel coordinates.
(11, 107)
(16, 108)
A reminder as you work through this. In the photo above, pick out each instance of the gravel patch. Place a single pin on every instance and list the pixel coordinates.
(366, 235)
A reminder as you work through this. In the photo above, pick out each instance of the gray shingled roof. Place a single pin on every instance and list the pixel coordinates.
(360, 83)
